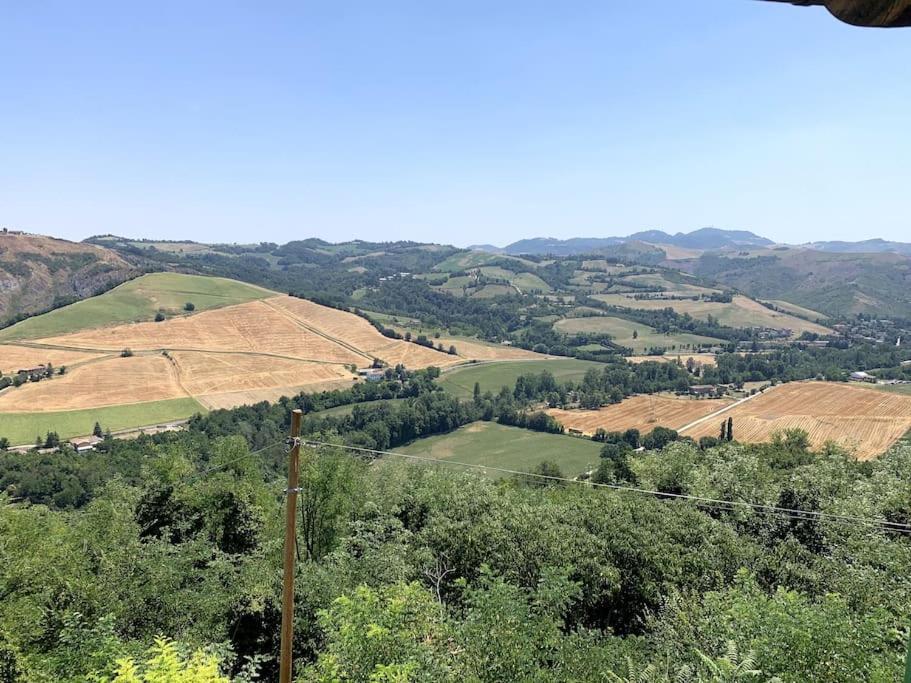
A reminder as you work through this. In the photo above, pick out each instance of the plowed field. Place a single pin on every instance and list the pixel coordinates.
(864, 420)
(108, 382)
(639, 412)
(13, 358)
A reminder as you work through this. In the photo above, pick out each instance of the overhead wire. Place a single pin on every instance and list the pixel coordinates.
(728, 505)
(221, 466)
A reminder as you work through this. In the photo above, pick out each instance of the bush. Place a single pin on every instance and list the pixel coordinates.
(166, 664)
(658, 438)
(159, 317)
(189, 306)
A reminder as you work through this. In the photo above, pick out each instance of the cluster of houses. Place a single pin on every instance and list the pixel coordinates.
(872, 331)
(398, 276)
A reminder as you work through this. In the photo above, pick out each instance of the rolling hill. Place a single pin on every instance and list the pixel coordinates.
(833, 283)
(39, 273)
(702, 239)
(241, 344)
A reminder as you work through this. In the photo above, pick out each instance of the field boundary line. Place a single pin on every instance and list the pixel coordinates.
(728, 407)
(328, 337)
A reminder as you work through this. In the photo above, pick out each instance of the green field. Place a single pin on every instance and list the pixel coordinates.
(491, 291)
(474, 259)
(895, 388)
(493, 376)
(22, 428)
(621, 332)
(137, 300)
(492, 445)
(741, 312)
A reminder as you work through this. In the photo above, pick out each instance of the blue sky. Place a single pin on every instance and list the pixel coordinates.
(457, 122)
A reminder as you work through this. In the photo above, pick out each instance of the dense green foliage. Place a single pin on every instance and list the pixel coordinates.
(412, 574)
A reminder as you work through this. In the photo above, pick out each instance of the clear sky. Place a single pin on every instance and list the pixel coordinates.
(458, 122)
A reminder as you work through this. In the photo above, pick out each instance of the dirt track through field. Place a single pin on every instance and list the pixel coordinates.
(862, 420)
(245, 353)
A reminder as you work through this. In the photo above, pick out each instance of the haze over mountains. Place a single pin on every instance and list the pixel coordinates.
(838, 278)
(704, 239)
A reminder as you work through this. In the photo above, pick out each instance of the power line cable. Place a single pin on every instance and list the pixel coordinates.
(216, 468)
(728, 505)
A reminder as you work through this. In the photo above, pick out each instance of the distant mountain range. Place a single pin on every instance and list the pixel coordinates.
(874, 246)
(703, 239)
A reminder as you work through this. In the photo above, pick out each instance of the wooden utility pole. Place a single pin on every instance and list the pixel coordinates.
(290, 541)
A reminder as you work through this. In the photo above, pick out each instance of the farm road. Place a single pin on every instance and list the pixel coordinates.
(731, 406)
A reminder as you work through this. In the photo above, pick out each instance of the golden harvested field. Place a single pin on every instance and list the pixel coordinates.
(674, 253)
(212, 373)
(639, 412)
(864, 420)
(232, 399)
(355, 332)
(245, 353)
(14, 357)
(251, 327)
(480, 351)
(799, 311)
(109, 382)
(701, 358)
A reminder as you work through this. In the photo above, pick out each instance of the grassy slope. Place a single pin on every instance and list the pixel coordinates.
(474, 259)
(490, 444)
(493, 376)
(739, 313)
(895, 388)
(22, 428)
(523, 280)
(799, 311)
(137, 300)
(622, 333)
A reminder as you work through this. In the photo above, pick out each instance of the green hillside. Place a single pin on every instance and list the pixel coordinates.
(835, 284)
(492, 445)
(22, 428)
(137, 300)
(622, 331)
(493, 376)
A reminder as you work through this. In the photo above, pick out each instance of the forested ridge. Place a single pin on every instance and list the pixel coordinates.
(412, 572)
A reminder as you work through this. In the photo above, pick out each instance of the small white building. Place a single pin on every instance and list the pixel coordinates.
(862, 377)
(85, 443)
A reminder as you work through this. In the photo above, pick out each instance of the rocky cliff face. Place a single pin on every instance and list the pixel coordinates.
(39, 273)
